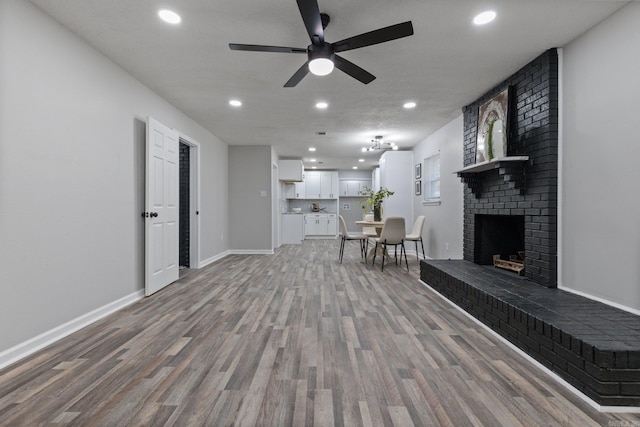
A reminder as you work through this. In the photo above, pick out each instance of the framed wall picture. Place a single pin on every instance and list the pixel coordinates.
(419, 171)
(418, 188)
(491, 140)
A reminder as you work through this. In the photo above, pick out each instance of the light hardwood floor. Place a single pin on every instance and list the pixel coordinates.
(293, 338)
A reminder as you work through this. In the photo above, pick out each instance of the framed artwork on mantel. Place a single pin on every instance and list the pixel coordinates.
(491, 141)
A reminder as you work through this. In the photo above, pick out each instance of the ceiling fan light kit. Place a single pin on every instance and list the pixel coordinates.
(321, 57)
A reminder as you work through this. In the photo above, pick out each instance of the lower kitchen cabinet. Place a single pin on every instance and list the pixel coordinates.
(292, 229)
(320, 225)
(332, 225)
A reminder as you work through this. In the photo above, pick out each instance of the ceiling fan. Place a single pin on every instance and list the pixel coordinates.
(321, 56)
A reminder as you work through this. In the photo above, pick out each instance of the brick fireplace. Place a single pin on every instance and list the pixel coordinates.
(518, 192)
(511, 204)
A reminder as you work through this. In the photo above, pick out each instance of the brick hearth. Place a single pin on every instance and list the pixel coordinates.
(592, 346)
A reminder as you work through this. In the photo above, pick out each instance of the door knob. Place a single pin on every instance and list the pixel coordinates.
(154, 214)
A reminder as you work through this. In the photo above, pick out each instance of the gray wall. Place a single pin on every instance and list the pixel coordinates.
(250, 222)
(443, 222)
(600, 240)
(72, 129)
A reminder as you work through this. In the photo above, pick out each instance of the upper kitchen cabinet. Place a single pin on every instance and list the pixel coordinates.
(295, 190)
(291, 170)
(321, 185)
(352, 188)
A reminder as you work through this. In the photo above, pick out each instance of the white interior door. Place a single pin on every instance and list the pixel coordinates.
(161, 213)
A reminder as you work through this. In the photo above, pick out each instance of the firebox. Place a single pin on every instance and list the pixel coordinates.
(497, 235)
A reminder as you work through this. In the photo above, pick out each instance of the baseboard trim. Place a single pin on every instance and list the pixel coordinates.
(213, 259)
(251, 252)
(602, 300)
(551, 374)
(24, 349)
(412, 252)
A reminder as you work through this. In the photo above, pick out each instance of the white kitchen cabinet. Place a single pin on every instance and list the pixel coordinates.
(320, 225)
(294, 190)
(352, 188)
(321, 184)
(312, 185)
(291, 170)
(332, 225)
(329, 185)
(375, 179)
(292, 228)
(313, 224)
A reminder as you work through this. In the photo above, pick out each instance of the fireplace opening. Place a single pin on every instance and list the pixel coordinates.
(497, 235)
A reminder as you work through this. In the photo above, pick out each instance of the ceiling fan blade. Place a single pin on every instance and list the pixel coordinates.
(353, 70)
(311, 16)
(381, 35)
(299, 75)
(262, 48)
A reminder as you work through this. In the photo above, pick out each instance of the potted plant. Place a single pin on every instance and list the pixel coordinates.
(373, 200)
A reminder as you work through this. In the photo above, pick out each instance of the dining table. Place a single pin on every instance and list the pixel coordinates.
(375, 224)
(378, 227)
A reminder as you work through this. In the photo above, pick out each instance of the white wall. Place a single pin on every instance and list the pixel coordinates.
(396, 174)
(600, 169)
(72, 176)
(444, 222)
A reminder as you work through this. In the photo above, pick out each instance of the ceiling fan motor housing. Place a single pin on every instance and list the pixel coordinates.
(325, 51)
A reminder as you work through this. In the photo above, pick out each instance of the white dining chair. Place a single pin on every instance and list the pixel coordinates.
(392, 234)
(416, 235)
(362, 238)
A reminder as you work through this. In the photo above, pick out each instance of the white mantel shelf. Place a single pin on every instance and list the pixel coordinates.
(492, 164)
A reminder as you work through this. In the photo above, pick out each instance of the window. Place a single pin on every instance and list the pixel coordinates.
(431, 187)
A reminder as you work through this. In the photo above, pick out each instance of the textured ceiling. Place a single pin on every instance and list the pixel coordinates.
(445, 65)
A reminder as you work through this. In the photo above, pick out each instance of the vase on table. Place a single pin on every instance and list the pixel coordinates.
(377, 213)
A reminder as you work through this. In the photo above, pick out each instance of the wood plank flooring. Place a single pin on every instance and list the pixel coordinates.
(293, 338)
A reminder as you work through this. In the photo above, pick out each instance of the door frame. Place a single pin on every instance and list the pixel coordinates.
(275, 206)
(194, 199)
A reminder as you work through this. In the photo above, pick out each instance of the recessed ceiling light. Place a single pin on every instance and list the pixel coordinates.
(312, 148)
(169, 16)
(355, 167)
(235, 103)
(312, 160)
(314, 167)
(361, 160)
(322, 105)
(484, 17)
(409, 105)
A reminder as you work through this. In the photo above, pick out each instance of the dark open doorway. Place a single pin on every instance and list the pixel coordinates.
(185, 203)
